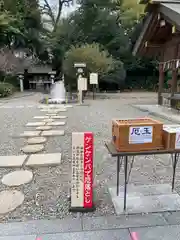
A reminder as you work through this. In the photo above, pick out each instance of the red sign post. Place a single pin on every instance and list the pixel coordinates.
(82, 172)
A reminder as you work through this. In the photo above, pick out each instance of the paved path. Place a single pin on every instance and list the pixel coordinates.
(163, 112)
(148, 227)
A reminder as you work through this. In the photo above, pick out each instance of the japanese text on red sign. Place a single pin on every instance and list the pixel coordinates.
(88, 169)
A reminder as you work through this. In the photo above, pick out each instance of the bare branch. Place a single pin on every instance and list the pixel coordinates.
(48, 10)
(58, 15)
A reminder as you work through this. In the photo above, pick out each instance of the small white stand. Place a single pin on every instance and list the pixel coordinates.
(82, 86)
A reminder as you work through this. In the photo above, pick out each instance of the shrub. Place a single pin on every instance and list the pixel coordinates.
(12, 80)
(96, 60)
(6, 89)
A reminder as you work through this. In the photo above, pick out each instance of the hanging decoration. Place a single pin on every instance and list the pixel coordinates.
(169, 65)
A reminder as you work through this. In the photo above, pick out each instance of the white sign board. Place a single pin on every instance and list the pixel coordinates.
(139, 135)
(82, 84)
(93, 78)
(177, 144)
(79, 65)
(77, 170)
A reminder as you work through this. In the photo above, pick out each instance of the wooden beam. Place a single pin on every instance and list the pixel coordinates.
(170, 21)
(161, 83)
(150, 30)
(153, 45)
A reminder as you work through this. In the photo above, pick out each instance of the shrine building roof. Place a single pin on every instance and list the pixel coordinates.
(161, 17)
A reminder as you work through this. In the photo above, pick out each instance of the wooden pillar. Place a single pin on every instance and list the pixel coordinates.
(161, 83)
(174, 83)
(174, 79)
(174, 75)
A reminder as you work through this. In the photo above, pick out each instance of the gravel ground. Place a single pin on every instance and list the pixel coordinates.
(46, 197)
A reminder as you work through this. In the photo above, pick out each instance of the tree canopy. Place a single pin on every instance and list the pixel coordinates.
(99, 32)
(96, 60)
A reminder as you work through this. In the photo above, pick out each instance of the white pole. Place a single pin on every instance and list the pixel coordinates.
(21, 85)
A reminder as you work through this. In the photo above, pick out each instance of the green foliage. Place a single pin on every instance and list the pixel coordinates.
(116, 75)
(6, 89)
(12, 80)
(130, 12)
(100, 33)
(96, 60)
(23, 24)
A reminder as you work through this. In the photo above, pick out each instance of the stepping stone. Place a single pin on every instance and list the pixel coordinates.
(51, 114)
(54, 110)
(48, 120)
(52, 133)
(68, 106)
(37, 140)
(17, 178)
(30, 134)
(43, 106)
(44, 128)
(12, 161)
(41, 117)
(10, 200)
(35, 124)
(49, 159)
(56, 124)
(33, 148)
(58, 117)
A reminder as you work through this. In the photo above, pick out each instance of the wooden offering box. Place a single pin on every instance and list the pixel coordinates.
(142, 134)
(171, 136)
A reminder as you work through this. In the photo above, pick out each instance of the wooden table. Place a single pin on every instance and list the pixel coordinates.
(125, 156)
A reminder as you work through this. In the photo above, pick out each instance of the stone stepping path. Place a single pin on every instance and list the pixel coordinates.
(30, 134)
(35, 124)
(33, 148)
(52, 133)
(36, 140)
(17, 178)
(44, 128)
(44, 159)
(10, 200)
(56, 124)
(12, 161)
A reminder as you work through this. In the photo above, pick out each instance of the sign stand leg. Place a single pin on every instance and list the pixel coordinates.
(125, 180)
(174, 162)
(80, 97)
(93, 91)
